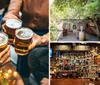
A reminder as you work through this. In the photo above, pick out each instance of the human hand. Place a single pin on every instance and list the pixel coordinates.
(9, 15)
(5, 56)
(44, 40)
(45, 81)
(38, 41)
(4, 27)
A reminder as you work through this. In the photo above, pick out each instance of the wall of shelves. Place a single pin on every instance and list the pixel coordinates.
(82, 61)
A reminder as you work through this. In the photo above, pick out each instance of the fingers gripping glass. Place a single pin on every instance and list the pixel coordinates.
(3, 47)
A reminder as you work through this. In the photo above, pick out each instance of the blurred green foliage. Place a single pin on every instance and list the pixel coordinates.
(72, 9)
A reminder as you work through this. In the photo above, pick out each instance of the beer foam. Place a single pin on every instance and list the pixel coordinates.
(13, 23)
(24, 33)
(3, 39)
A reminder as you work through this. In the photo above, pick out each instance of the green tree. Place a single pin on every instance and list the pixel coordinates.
(73, 9)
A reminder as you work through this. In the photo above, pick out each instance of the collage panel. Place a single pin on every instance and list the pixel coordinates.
(74, 63)
(24, 42)
(74, 47)
(75, 20)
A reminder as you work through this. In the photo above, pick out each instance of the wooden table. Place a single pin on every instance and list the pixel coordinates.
(8, 66)
(64, 81)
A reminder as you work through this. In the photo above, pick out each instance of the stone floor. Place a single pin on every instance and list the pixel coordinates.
(74, 37)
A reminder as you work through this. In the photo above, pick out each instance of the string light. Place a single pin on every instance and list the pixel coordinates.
(9, 75)
(15, 74)
(9, 71)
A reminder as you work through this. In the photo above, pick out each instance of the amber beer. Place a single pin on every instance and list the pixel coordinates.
(23, 40)
(10, 27)
(3, 41)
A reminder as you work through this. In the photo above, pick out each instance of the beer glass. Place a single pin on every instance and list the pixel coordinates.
(3, 41)
(9, 28)
(23, 39)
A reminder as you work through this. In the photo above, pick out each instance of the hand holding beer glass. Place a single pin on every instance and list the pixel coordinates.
(9, 28)
(21, 37)
(4, 49)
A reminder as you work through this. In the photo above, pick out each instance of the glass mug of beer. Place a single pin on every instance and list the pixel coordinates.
(23, 38)
(3, 41)
(9, 28)
(3, 46)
